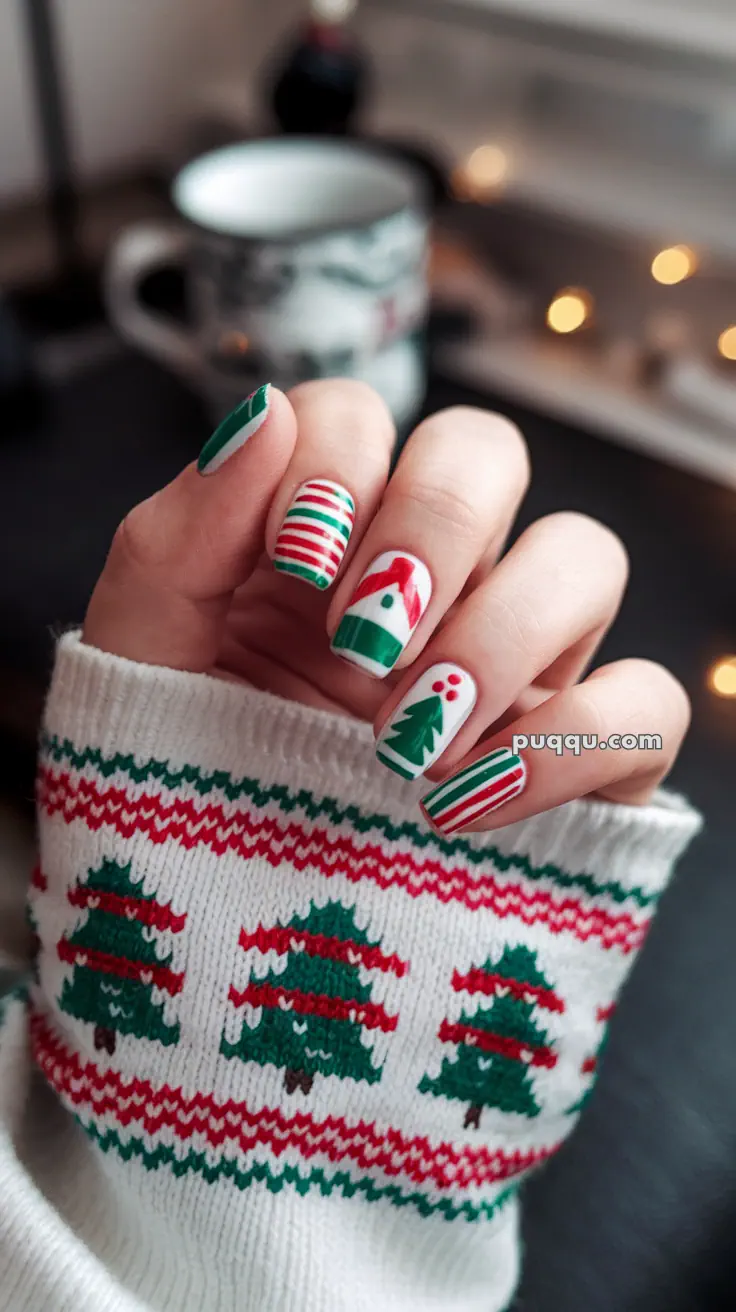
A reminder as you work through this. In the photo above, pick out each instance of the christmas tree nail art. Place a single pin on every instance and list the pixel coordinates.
(426, 720)
(235, 431)
(316, 1011)
(315, 533)
(117, 963)
(500, 1043)
(383, 613)
(475, 791)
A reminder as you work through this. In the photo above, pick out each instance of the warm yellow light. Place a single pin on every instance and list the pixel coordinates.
(482, 173)
(234, 342)
(487, 166)
(674, 264)
(569, 310)
(722, 677)
(727, 343)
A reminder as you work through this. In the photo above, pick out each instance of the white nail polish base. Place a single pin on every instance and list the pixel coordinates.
(427, 719)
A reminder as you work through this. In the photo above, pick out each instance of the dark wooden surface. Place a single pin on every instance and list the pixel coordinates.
(639, 1210)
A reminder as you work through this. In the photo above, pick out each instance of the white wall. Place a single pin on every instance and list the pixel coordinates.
(135, 73)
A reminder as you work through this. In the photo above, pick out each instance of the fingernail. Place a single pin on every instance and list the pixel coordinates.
(234, 432)
(476, 791)
(383, 613)
(427, 719)
(315, 533)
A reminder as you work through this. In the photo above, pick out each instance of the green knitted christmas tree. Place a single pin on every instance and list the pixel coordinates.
(499, 1043)
(117, 963)
(589, 1068)
(413, 737)
(38, 885)
(315, 1011)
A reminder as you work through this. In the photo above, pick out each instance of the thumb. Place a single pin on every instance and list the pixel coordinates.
(175, 560)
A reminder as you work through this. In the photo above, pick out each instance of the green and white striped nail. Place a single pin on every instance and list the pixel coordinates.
(235, 431)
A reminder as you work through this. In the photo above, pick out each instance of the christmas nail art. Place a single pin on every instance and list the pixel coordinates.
(426, 720)
(315, 533)
(383, 613)
(235, 431)
(476, 791)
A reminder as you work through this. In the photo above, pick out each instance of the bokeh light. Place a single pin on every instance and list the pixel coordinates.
(569, 310)
(727, 343)
(482, 174)
(674, 265)
(722, 677)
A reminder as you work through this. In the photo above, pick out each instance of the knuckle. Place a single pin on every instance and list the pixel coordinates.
(499, 437)
(660, 694)
(512, 439)
(341, 395)
(344, 415)
(370, 451)
(131, 543)
(644, 698)
(583, 533)
(447, 506)
(515, 622)
(590, 716)
(145, 540)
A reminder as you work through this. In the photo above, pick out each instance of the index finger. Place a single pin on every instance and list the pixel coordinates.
(164, 593)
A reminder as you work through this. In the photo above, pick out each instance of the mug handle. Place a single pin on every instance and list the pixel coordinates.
(138, 251)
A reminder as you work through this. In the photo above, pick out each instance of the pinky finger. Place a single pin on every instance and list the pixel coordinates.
(634, 712)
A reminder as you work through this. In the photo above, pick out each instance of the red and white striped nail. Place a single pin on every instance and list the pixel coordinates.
(315, 533)
(476, 791)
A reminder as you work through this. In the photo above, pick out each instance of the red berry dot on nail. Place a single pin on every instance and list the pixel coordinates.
(451, 696)
(455, 678)
(438, 686)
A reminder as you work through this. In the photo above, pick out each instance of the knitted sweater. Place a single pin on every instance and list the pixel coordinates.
(281, 1048)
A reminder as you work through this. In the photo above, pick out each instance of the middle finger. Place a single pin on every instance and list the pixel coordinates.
(462, 474)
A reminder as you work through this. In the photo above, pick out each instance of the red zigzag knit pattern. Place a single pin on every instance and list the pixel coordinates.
(249, 835)
(83, 1085)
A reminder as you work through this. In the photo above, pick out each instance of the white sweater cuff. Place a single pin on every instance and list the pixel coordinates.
(151, 712)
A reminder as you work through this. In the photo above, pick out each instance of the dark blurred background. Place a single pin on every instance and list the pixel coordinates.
(582, 161)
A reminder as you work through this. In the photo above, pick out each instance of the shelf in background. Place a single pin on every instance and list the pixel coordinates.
(564, 382)
(705, 29)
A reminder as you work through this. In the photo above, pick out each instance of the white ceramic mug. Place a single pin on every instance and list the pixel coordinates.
(305, 258)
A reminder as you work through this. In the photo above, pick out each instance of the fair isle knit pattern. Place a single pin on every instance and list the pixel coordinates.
(286, 1014)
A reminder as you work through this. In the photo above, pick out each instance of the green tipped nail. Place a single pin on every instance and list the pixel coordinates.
(235, 431)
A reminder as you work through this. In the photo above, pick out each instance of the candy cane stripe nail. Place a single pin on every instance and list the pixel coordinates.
(315, 533)
(476, 791)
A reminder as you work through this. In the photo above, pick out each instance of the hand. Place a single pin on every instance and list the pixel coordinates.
(499, 643)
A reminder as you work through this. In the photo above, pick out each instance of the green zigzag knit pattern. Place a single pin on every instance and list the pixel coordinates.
(226, 1168)
(161, 773)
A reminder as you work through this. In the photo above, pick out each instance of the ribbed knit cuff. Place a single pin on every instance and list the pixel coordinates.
(126, 708)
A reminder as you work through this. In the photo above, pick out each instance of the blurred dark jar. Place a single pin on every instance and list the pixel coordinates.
(320, 83)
